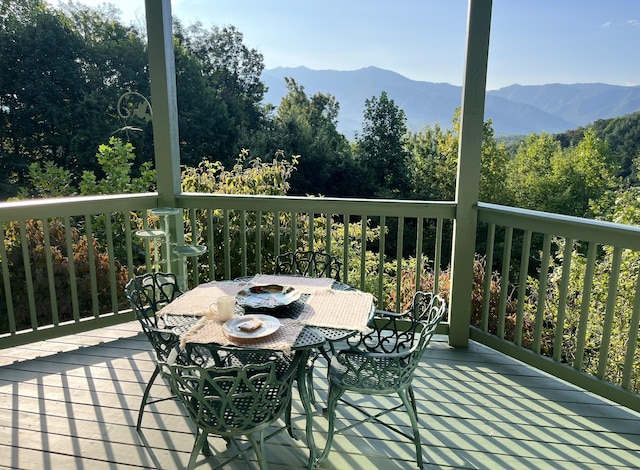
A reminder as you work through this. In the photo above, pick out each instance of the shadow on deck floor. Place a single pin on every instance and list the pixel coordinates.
(72, 403)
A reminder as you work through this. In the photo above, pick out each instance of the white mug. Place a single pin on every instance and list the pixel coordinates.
(226, 306)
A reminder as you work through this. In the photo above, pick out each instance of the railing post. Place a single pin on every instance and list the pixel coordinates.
(468, 177)
(162, 74)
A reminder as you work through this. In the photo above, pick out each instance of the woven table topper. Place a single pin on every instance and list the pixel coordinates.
(196, 302)
(348, 310)
(304, 285)
(210, 331)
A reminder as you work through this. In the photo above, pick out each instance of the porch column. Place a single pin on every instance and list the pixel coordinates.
(468, 177)
(162, 74)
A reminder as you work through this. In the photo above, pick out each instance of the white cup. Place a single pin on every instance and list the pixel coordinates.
(226, 306)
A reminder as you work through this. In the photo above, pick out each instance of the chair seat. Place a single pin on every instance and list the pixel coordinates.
(361, 373)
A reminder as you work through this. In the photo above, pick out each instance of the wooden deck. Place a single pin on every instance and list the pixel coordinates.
(72, 403)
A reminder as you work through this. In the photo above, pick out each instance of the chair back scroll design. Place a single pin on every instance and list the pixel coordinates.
(383, 361)
(233, 400)
(308, 263)
(147, 294)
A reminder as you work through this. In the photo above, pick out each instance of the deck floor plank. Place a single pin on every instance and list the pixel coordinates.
(73, 402)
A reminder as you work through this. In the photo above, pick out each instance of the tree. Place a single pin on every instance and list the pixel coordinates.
(530, 183)
(232, 84)
(307, 127)
(59, 105)
(543, 176)
(381, 153)
(433, 163)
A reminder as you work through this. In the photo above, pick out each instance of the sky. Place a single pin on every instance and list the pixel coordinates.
(532, 42)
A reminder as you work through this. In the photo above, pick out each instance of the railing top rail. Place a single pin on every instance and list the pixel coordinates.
(41, 208)
(606, 233)
(386, 207)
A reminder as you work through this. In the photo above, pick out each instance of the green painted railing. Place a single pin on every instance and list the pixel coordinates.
(64, 262)
(46, 293)
(565, 297)
(577, 320)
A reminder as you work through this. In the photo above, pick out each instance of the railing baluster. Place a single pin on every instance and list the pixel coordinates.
(146, 245)
(328, 233)
(293, 245)
(345, 248)
(522, 285)
(610, 310)
(581, 334)
(504, 283)
(108, 226)
(26, 256)
(276, 234)
(243, 243)
(399, 249)
(55, 320)
(562, 300)
(6, 280)
(212, 245)
(128, 242)
(363, 248)
(92, 265)
(437, 257)
(73, 278)
(226, 244)
(542, 292)
(419, 234)
(488, 272)
(258, 260)
(312, 231)
(383, 238)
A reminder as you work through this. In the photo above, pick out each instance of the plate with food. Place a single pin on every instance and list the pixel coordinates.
(267, 297)
(251, 326)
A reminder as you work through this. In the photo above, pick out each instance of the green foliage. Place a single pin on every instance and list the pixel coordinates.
(115, 162)
(50, 180)
(543, 176)
(248, 176)
(219, 92)
(57, 106)
(433, 163)
(307, 127)
(381, 154)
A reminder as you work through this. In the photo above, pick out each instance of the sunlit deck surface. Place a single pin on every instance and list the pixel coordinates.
(72, 403)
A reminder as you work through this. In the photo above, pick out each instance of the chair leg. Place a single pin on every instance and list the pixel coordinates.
(199, 444)
(334, 395)
(145, 396)
(258, 447)
(310, 390)
(409, 404)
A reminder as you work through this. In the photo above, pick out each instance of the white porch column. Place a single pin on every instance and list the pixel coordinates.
(468, 178)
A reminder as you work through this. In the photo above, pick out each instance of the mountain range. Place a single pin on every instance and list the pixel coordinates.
(514, 110)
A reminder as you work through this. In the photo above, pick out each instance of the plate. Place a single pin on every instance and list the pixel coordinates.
(269, 326)
(267, 297)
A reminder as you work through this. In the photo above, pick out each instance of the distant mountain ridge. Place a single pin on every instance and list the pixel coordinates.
(516, 109)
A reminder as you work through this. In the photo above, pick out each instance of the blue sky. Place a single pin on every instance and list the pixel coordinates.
(532, 42)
